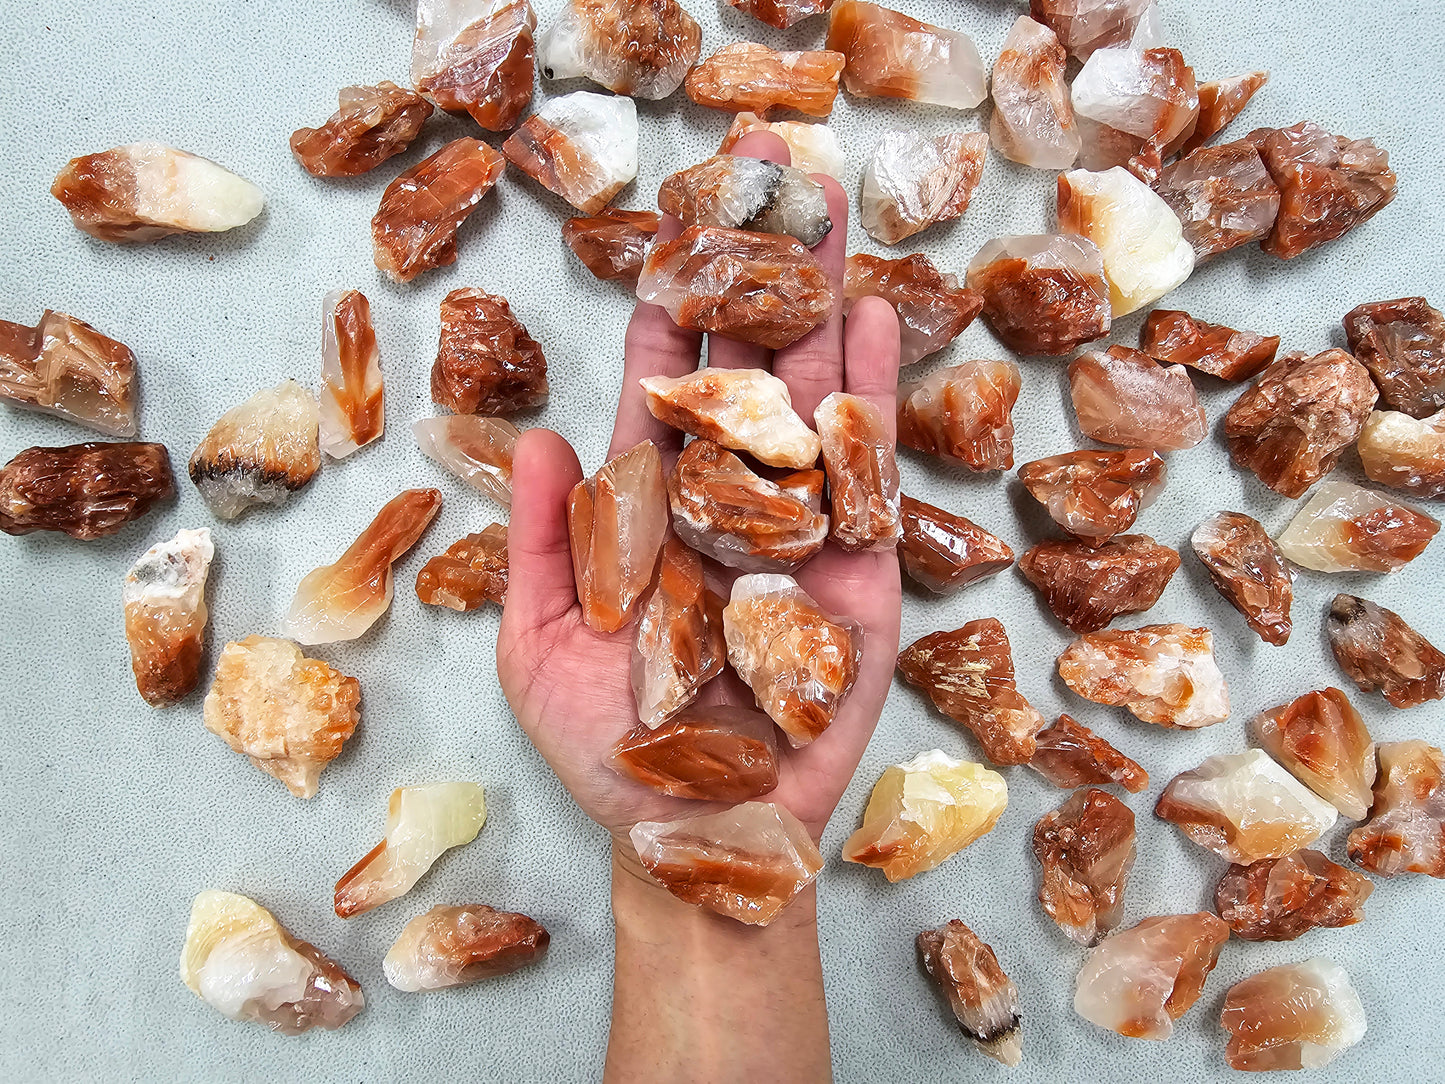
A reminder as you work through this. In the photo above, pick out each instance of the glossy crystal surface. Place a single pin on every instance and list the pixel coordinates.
(963, 413)
(477, 450)
(710, 753)
(1343, 528)
(1086, 849)
(1295, 1016)
(1087, 586)
(642, 48)
(747, 77)
(984, 1000)
(352, 411)
(1042, 293)
(748, 194)
(475, 57)
(1095, 495)
(1164, 674)
(1379, 651)
(914, 181)
(65, 367)
(164, 596)
(944, 552)
(679, 646)
(472, 572)
(1402, 343)
(1223, 195)
(862, 473)
(454, 946)
(612, 244)
(1279, 899)
(370, 125)
(1033, 118)
(486, 362)
(1176, 338)
(1122, 396)
(1070, 755)
(892, 55)
(745, 410)
(932, 307)
(87, 490)
(581, 146)
(1406, 830)
(1248, 569)
(1321, 738)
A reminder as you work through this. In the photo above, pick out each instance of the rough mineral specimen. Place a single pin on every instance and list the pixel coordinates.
(1344, 528)
(454, 946)
(1033, 119)
(745, 76)
(932, 308)
(242, 962)
(1402, 343)
(288, 714)
(781, 13)
(617, 520)
(1094, 495)
(747, 410)
(637, 47)
(1176, 338)
(1404, 452)
(1406, 830)
(1070, 755)
(471, 573)
(891, 55)
(923, 811)
(486, 362)
(1122, 396)
(415, 226)
(340, 601)
(477, 450)
(984, 1000)
(475, 56)
(747, 862)
(352, 408)
(862, 474)
(712, 754)
(581, 146)
(1321, 738)
(1378, 650)
(1223, 195)
(963, 413)
(1087, 586)
(915, 180)
(799, 661)
(1249, 571)
(1141, 980)
(165, 616)
(1163, 674)
(1293, 425)
(1086, 849)
(1142, 243)
(679, 646)
(63, 366)
(748, 194)
(1279, 899)
(944, 552)
(1086, 25)
(612, 243)
(259, 452)
(422, 823)
(370, 125)
(758, 288)
(87, 491)
(1297, 1016)
(1220, 101)
(1042, 293)
(813, 147)
(146, 191)
(969, 674)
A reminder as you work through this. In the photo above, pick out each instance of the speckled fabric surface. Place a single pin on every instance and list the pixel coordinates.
(114, 815)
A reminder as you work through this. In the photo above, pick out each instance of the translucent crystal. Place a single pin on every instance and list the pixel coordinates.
(1086, 25)
(1344, 528)
(1278, 899)
(963, 413)
(486, 362)
(1249, 571)
(581, 146)
(1042, 293)
(1087, 586)
(1070, 755)
(1163, 674)
(1223, 196)
(932, 308)
(352, 408)
(914, 180)
(748, 194)
(472, 572)
(1406, 830)
(475, 56)
(891, 55)
(612, 243)
(259, 452)
(1122, 396)
(944, 552)
(1402, 343)
(477, 450)
(679, 646)
(1405, 453)
(63, 366)
(862, 474)
(781, 13)
(813, 147)
(454, 946)
(370, 125)
(711, 753)
(1321, 738)
(1220, 101)
(1086, 849)
(984, 1000)
(1378, 650)
(1176, 338)
(637, 47)
(745, 76)
(1132, 98)
(1296, 1016)
(165, 616)
(747, 410)
(87, 491)
(1033, 119)
(1095, 495)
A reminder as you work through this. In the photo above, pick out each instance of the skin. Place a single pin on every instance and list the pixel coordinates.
(697, 996)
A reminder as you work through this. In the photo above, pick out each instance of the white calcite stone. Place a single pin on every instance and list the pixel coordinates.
(1344, 528)
(582, 146)
(1033, 118)
(915, 180)
(477, 450)
(1297, 1016)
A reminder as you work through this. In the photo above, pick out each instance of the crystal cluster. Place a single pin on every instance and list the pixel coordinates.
(1220, 101)
(352, 410)
(747, 77)
(963, 413)
(637, 47)
(1122, 396)
(1086, 25)
(259, 452)
(1069, 755)
(679, 646)
(1278, 899)
(475, 57)
(581, 146)
(1344, 528)
(1248, 569)
(472, 572)
(1095, 495)
(1164, 674)
(1402, 343)
(1176, 338)
(932, 307)
(891, 55)
(1321, 738)
(1406, 830)
(748, 194)
(1223, 196)
(1296, 1016)
(1033, 118)
(1042, 293)
(486, 362)
(746, 410)
(984, 1000)
(781, 13)
(1086, 849)
(477, 450)
(813, 148)
(165, 616)
(862, 474)
(1087, 586)
(914, 181)
(87, 491)
(710, 754)
(1406, 453)
(454, 946)
(63, 366)
(944, 552)
(1378, 650)
(370, 125)
(612, 244)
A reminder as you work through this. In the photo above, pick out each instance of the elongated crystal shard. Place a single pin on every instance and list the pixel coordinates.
(165, 616)
(352, 403)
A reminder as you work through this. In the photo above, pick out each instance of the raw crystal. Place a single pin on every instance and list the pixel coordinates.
(63, 366)
(1134, 98)
(1042, 293)
(612, 244)
(1141, 241)
(1328, 184)
(1086, 25)
(1297, 1016)
(932, 308)
(475, 56)
(617, 520)
(747, 410)
(891, 55)
(1223, 196)
(748, 194)
(145, 191)
(87, 491)
(165, 616)
(340, 601)
(984, 1000)
(486, 362)
(454, 946)
(812, 147)
(799, 661)
(1321, 738)
(1402, 343)
(1140, 981)
(1279, 899)
(637, 47)
(1406, 830)
(1070, 755)
(1086, 849)
(422, 823)
(1163, 674)
(259, 452)
(1095, 495)
(1293, 425)
(747, 862)
(415, 226)
(711, 754)
(1087, 586)
(963, 413)
(862, 473)
(924, 811)
(288, 714)
(759, 288)
(944, 552)
(242, 962)
(914, 181)
(1404, 452)
(370, 125)
(1344, 528)
(1176, 338)
(1378, 650)
(471, 573)
(1033, 119)
(781, 13)
(745, 76)
(679, 646)
(1122, 396)
(1249, 571)
(969, 675)
(352, 411)
(1220, 101)
(477, 450)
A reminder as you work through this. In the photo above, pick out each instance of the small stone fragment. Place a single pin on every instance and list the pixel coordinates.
(963, 413)
(1297, 1016)
(1278, 899)
(914, 181)
(477, 450)
(422, 823)
(259, 452)
(352, 407)
(370, 125)
(475, 56)
(944, 552)
(1404, 452)
(1321, 738)
(581, 146)
(486, 362)
(165, 616)
(679, 646)
(747, 862)
(1133, 98)
(1223, 196)
(1042, 293)
(1402, 343)
(454, 946)
(1344, 528)
(711, 754)
(63, 366)
(289, 715)
(1095, 495)
(1163, 674)
(781, 13)
(1122, 396)
(1087, 586)
(1406, 830)
(984, 1000)
(745, 76)
(924, 811)
(471, 573)
(1378, 650)
(813, 147)
(1086, 849)
(932, 307)
(340, 601)
(862, 473)
(641, 48)
(87, 491)
(1086, 25)
(1220, 101)
(1033, 119)
(1172, 337)
(612, 244)
(1070, 755)
(748, 194)
(891, 55)
(747, 410)
(1249, 571)
(617, 520)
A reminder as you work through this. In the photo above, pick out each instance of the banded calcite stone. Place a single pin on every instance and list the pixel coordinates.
(1379, 651)
(1122, 396)
(415, 226)
(1247, 568)
(914, 181)
(933, 309)
(641, 48)
(1176, 338)
(711, 753)
(164, 597)
(1406, 453)
(1321, 738)
(259, 452)
(891, 55)
(1086, 849)
(1033, 118)
(1224, 197)
(475, 57)
(862, 473)
(1406, 830)
(581, 146)
(64, 367)
(1164, 674)
(87, 491)
(456, 946)
(748, 194)
(486, 361)
(471, 573)
(812, 147)
(1344, 528)
(984, 1000)
(612, 244)
(679, 646)
(477, 450)
(1071, 755)
(745, 410)
(1087, 586)
(352, 407)
(944, 552)
(748, 77)
(1278, 899)
(1402, 343)
(370, 125)
(1295, 1016)
(1220, 101)
(1043, 293)
(963, 414)
(1095, 495)
(1086, 25)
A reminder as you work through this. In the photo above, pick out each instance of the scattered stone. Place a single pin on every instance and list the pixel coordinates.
(63, 366)
(1122, 396)
(710, 754)
(486, 362)
(1344, 528)
(679, 646)
(1405, 453)
(475, 56)
(1378, 650)
(1164, 674)
(746, 410)
(1297, 1016)
(745, 76)
(1033, 118)
(963, 414)
(914, 181)
(1402, 343)
(470, 574)
(1406, 830)
(352, 409)
(1087, 586)
(1278, 899)
(891, 55)
(1095, 495)
(1071, 755)
(1321, 738)
(813, 147)
(87, 491)
(984, 1000)
(370, 125)
(781, 13)
(581, 146)
(1220, 101)
(1086, 849)
(933, 309)
(1042, 293)
(1086, 25)
(944, 552)
(1176, 338)
(477, 450)
(642, 48)
(748, 194)
(862, 474)
(165, 616)
(259, 452)
(612, 244)
(1223, 196)
(1134, 98)
(455, 946)
(1248, 569)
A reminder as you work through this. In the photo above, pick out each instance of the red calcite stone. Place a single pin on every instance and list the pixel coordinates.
(1278, 899)
(612, 244)
(1176, 338)
(1402, 343)
(1042, 293)
(1087, 586)
(1249, 571)
(862, 474)
(1406, 831)
(371, 125)
(1379, 651)
(1220, 101)
(1095, 495)
(747, 77)
(1086, 848)
(1124, 397)
(711, 754)
(87, 490)
(963, 413)
(1223, 196)
(1071, 755)
(932, 308)
(471, 573)
(486, 362)
(944, 552)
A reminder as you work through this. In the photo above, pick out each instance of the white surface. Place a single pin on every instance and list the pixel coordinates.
(115, 815)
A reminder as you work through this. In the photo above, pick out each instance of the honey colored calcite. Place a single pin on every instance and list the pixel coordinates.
(1087, 586)
(1122, 396)
(891, 55)
(1220, 101)
(1086, 25)
(352, 394)
(711, 754)
(638, 47)
(1296, 1016)
(963, 413)
(862, 473)
(679, 646)
(486, 362)
(87, 491)
(1406, 830)
(1248, 569)
(475, 56)
(781, 13)
(611, 244)
(370, 125)
(1042, 293)
(471, 573)
(477, 450)
(969, 675)
(932, 308)
(1344, 528)
(984, 1000)
(1404, 452)
(581, 146)
(415, 226)
(1033, 118)
(63, 366)
(1223, 196)
(1278, 899)
(747, 410)
(747, 862)
(944, 552)
(1321, 738)
(813, 148)
(1176, 338)
(745, 76)
(1086, 849)
(924, 811)
(616, 521)
(1070, 755)
(165, 616)
(289, 715)
(454, 946)
(1095, 495)
(259, 452)
(1164, 674)
(1402, 343)
(422, 823)
(748, 194)
(914, 181)
(1379, 651)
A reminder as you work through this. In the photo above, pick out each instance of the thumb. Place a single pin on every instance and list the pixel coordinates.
(540, 586)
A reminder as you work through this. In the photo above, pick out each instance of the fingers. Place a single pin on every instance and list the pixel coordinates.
(870, 357)
(540, 587)
(813, 366)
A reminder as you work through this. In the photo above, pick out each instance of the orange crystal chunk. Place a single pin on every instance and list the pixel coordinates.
(352, 394)
(944, 552)
(475, 57)
(87, 491)
(612, 244)
(711, 754)
(370, 125)
(862, 474)
(486, 362)
(1278, 899)
(1406, 830)
(1095, 495)
(1321, 738)
(1176, 338)
(984, 1000)
(1249, 571)
(679, 646)
(1070, 755)
(1086, 586)
(1378, 650)
(1086, 849)
(454, 946)
(471, 573)
(63, 366)
(745, 76)
(963, 413)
